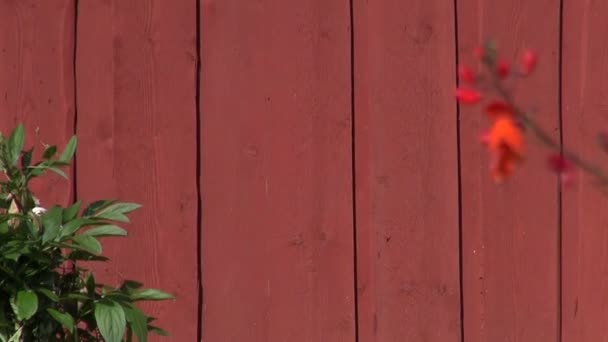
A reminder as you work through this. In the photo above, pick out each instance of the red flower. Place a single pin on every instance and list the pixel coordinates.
(505, 141)
(562, 167)
(503, 69)
(468, 96)
(466, 74)
(496, 109)
(528, 61)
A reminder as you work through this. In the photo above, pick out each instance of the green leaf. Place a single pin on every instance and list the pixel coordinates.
(49, 152)
(35, 171)
(90, 284)
(58, 171)
(130, 285)
(70, 212)
(111, 320)
(150, 294)
(49, 294)
(107, 230)
(88, 243)
(116, 212)
(85, 256)
(138, 322)
(77, 296)
(25, 304)
(15, 143)
(96, 206)
(157, 330)
(26, 158)
(51, 221)
(65, 319)
(4, 228)
(70, 148)
(17, 335)
(74, 225)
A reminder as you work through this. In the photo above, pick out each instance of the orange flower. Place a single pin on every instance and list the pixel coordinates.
(504, 140)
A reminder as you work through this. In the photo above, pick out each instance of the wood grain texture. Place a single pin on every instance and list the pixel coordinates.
(136, 86)
(585, 219)
(510, 231)
(37, 80)
(277, 224)
(406, 171)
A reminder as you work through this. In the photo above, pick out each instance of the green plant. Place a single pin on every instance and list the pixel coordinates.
(45, 295)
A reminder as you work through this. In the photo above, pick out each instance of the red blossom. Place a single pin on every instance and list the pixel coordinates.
(528, 61)
(495, 109)
(468, 96)
(562, 167)
(466, 74)
(502, 69)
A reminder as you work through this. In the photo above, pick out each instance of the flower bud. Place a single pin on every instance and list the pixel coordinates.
(468, 96)
(528, 61)
(502, 69)
(38, 211)
(562, 167)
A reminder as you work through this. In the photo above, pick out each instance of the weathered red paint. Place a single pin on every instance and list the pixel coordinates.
(585, 221)
(510, 232)
(406, 171)
(36, 80)
(277, 234)
(137, 125)
(276, 166)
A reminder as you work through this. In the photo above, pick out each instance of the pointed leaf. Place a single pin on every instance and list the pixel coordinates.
(96, 206)
(65, 319)
(71, 212)
(88, 243)
(157, 330)
(74, 225)
(49, 294)
(70, 148)
(137, 321)
(76, 296)
(49, 152)
(90, 284)
(106, 230)
(150, 294)
(115, 212)
(25, 304)
(130, 285)
(51, 221)
(26, 158)
(111, 320)
(15, 143)
(58, 171)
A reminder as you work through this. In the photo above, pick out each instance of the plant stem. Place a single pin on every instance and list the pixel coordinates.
(545, 138)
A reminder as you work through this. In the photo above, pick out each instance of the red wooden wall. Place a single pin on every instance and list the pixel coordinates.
(305, 171)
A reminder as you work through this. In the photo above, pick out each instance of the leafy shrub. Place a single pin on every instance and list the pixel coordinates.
(45, 295)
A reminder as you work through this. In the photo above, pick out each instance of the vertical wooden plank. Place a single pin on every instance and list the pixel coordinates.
(510, 232)
(406, 171)
(276, 171)
(37, 79)
(584, 93)
(136, 71)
